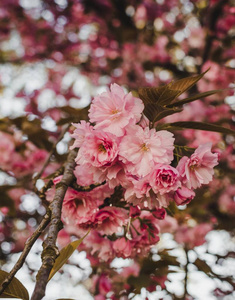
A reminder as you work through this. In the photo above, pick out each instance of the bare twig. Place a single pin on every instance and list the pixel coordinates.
(30, 242)
(51, 153)
(186, 275)
(87, 188)
(50, 251)
(213, 17)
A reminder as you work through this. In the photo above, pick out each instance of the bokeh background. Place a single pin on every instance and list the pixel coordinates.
(55, 56)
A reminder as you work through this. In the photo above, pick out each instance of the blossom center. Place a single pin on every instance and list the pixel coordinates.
(194, 164)
(144, 147)
(102, 148)
(114, 112)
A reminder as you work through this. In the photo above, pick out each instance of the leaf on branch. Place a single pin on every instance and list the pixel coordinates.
(15, 289)
(185, 84)
(161, 95)
(157, 100)
(193, 98)
(155, 112)
(197, 125)
(65, 254)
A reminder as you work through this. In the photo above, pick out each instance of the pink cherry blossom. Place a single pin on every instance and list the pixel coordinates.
(82, 130)
(110, 219)
(164, 179)
(141, 148)
(100, 149)
(100, 245)
(192, 237)
(198, 169)
(113, 111)
(122, 247)
(183, 196)
(6, 149)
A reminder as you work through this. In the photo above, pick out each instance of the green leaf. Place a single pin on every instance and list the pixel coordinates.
(65, 254)
(197, 125)
(15, 289)
(193, 98)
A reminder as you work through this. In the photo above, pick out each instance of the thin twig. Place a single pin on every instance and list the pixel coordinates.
(29, 243)
(51, 153)
(212, 17)
(50, 251)
(87, 188)
(186, 275)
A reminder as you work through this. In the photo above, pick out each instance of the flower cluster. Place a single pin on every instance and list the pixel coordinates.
(138, 175)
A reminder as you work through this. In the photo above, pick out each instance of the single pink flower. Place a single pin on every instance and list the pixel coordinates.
(110, 219)
(99, 244)
(198, 169)
(122, 247)
(183, 196)
(142, 148)
(99, 149)
(113, 111)
(82, 130)
(164, 179)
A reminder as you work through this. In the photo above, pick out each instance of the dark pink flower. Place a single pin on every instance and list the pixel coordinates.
(164, 179)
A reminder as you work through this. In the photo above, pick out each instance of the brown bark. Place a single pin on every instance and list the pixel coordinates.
(50, 251)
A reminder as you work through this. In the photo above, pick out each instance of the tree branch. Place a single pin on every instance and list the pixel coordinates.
(50, 251)
(30, 242)
(186, 275)
(87, 188)
(51, 153)
(213, 17)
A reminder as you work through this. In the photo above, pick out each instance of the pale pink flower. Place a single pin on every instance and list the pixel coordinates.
(142, 148)
(227, 200)
(198, 169)
(164, 179)
(113, 111)
(183, 196)
(7, 148)
(192, 237)
(82, 130)
(99, 244)
(100, 149)
(110, 219)
(139, 192)
(84, 174)
(78, 207)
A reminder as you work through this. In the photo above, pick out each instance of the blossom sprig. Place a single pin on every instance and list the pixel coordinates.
(119, 147)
